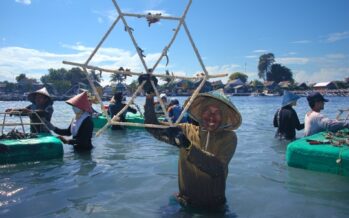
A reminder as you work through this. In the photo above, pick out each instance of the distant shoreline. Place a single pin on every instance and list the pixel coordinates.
(328, 93)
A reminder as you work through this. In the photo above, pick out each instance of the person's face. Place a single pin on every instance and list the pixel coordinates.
(211, 117)
(40, 99)
(319, 105)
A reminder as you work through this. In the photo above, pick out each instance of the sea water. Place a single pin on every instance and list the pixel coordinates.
(131, 174)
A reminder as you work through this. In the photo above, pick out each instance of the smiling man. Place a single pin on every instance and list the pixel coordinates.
(205, 150)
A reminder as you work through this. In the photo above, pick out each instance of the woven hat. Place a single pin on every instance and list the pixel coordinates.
(288, 98)
(42, 91)
(81, 101)
(231, 115)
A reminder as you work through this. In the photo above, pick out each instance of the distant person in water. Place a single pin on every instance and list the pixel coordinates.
(286, 119)
(81, 127)
(174, 111)
(157, 105)
(315, 122)
(117, 103)
(39, 111)
(204, 151)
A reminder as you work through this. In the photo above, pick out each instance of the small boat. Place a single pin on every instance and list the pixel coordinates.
(101, 120)
(40, 147)
(323, 152)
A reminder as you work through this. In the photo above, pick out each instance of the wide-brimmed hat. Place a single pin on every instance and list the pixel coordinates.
(81, 101)
(315, 97)
(288, 98)
(42, 91)
(231, 116)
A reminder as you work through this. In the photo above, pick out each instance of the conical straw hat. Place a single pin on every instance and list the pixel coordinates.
(81, 101)
(231, 116)
(42, 91)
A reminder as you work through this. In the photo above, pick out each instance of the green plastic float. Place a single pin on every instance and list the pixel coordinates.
(44, 147)
(319, 154)
(100, 121)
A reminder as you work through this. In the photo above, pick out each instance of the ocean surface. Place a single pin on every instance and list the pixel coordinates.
(131, 174)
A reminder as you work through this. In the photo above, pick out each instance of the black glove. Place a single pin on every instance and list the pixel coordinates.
(179, 138)
(148, 88)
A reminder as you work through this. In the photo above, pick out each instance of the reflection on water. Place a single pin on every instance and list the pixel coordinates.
(130, 174)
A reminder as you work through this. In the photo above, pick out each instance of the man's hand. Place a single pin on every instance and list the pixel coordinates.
(148, 88)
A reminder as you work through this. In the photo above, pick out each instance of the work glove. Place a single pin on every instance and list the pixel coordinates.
(148, 88)
(179, 138)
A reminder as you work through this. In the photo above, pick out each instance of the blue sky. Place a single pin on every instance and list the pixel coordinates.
(310, 37)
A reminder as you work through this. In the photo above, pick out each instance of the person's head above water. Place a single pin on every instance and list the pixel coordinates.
(214, 110)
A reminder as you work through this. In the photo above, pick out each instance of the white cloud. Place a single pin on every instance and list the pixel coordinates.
(110, 15)
(223, 69)
(35, 63)
(251, 56)
(321, 75)
(25, 2)
(260, 51)
(334, 37)
(292, 60)
(336, 56)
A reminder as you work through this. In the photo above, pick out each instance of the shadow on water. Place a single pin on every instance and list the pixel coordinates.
(174, 209)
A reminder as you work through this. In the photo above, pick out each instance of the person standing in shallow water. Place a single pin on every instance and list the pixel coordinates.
(204, 151)
(117, 103)
(286, 119)
(316, 122)
(81, 128)
(39, 111)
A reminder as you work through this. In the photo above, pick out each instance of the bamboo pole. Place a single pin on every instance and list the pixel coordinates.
(164, 51)
(130, 73)
(195, 48)
(153, 15)
(161, 103)
(121, 16)
(131, 36)
(16, 124)
(139, 125)
(124, 108)
(196, 92)
(102, 40)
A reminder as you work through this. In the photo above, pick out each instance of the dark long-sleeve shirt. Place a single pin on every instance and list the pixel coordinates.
(286, 119)
(82, 140)
(45, 113)
(114, 108)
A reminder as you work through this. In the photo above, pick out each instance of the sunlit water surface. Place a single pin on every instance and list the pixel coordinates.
(130, 174)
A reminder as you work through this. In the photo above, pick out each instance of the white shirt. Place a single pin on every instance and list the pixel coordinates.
(315, 122)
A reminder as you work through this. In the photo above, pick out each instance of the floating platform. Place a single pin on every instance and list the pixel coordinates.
(317, 153)
(44, 147)
(100, 121)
